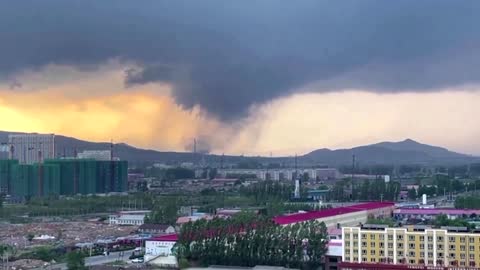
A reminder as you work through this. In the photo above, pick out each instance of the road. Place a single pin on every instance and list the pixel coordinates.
(97, 260)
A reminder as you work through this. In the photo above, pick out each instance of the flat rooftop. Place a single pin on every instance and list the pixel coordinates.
(300, 217)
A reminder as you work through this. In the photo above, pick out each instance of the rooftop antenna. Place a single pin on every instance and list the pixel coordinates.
(221, 160)
(111, 149)
(194, 145)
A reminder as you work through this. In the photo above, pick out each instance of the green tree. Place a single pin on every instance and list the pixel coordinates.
(75, 261)
(2, 199)
(412, 194)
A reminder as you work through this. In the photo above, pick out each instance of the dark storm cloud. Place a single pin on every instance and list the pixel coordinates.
(227, 55)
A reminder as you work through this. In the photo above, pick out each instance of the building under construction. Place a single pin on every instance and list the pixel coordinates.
(66, 177)
(6, 175)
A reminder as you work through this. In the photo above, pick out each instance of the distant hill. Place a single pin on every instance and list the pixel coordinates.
(404, 152)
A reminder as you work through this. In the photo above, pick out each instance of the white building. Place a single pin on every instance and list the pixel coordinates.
(95, 154)
(136, 218)
(160, 246)
(280, 174)
(32, 148)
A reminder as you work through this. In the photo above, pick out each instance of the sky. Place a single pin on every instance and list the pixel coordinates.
(243, 77)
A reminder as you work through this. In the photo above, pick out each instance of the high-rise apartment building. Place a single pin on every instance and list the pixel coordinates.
(415, 246)
(31, 148)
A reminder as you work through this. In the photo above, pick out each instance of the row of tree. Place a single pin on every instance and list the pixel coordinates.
(366, 190)
(467, 202)
(249, 240)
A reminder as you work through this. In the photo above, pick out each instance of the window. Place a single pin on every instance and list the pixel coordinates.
(471, 240)
(372, 244)
(355, 251)
(452, 247)
(422, 238)
(382, 245)
(347, 251)
(411, 245)
(430, 239)
(382, 253)
(430, 246)
(347, 258)
(440, 247)
(462, 263)
(372, 236)
(364, 259)
(355, 259)
(440, 255)
(364, 244)
(431, 262)
(462, 239)
(399, 237)
(381, 237)
(372, 260)
(472, 248)
(452, 255)
(390, 253)
(364, 236)
(347, 244)
(451, 239)
(411, 261)
(411, 238)
(422, 246)
(390, 237)
(462, 256)
(462, 248)
(430, 254)
(471, 256)
(390, 245)
(411, 254)
(400, 253)
(364, 252)
(347, 236)
(400, 245)
(355, 243)
(372, 252)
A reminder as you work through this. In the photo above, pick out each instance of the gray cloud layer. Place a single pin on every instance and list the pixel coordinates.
(228, 55)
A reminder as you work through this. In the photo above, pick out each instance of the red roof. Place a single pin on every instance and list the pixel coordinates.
(165, 238)
(300, 217)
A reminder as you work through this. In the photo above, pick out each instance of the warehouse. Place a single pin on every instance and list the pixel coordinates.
(341, 216)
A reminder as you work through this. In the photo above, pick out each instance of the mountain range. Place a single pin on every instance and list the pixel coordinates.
(403, 152)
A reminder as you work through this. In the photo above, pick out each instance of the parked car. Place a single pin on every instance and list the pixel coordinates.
(137, 260)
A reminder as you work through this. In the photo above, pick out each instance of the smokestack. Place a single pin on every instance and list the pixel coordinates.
(296, 194)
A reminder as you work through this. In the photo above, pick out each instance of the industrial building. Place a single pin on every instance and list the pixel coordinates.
(278, 174)
(432, 213)
(136, 218)
(62, 177)
(160, 246)
(371, 246)
(341, 216)
(31, 148)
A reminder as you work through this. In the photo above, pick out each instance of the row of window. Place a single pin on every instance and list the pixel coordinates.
(410, 254)
(412, 261)
(461, 239)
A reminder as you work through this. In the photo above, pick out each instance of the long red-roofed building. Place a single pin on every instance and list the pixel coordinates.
(341, 216)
